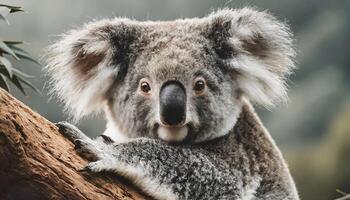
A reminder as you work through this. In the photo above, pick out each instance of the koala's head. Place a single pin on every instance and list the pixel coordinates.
(180, 80)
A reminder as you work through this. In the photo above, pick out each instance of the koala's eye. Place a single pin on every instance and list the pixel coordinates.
(199, 86)
(145, 86)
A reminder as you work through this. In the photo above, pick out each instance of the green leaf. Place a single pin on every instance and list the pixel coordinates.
(7, 50)
(10, 43)
(7, 71)
(23, 54)
(12, 9)
(29, 84)
(4, 71)
(3, 14)
(20, 73)
(17, 83)
(20, 52)
(7, 64)
(15, 71)
(3, 83)
(17, 79)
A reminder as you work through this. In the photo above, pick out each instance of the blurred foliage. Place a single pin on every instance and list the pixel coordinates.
(11, 49)
(320, 168)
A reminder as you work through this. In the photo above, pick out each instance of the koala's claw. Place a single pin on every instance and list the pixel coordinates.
(81, 145)
(77, 145)
(85, 169)
(106, 139)
(64, 128)
(96, 166)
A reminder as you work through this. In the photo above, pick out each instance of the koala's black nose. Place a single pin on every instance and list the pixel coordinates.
(172, 99)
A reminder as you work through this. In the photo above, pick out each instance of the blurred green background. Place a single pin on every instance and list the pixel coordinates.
(313, 130)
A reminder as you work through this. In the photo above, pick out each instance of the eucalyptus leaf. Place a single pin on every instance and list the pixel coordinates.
(3, 83)
(10, 43)
(23, 54)
(12, 9)
(4, 71)
(7, 72)
(3, 13)
(7, 49)
(7, 64)
(29, 84)
(15, 80)
(20, 73)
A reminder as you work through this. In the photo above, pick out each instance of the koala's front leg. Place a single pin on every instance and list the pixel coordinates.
(169, 172)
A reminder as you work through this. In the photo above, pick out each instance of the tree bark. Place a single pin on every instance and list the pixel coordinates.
(37, 162)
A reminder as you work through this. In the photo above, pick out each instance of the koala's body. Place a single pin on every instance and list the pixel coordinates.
(176, 96)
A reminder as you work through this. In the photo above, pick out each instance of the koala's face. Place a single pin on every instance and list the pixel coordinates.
(177, 81)
(175, 88)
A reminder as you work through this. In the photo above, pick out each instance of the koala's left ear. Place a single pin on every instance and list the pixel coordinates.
(257, 49)
(86, 61)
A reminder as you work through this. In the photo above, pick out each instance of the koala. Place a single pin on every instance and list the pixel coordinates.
(177, 97)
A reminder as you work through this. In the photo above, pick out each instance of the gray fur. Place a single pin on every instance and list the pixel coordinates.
(227, 153)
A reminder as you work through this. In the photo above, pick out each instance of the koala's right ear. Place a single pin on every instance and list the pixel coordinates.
(85, 62)
(258, 49)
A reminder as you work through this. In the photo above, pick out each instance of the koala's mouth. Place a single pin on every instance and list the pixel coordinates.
(172, 134)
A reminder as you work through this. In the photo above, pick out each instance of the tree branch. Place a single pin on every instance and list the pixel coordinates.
(37, 162)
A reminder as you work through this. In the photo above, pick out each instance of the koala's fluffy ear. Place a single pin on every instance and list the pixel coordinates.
(85, 62)
(258, 50)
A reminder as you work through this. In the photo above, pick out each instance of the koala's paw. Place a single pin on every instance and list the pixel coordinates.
(85, 146)
(70, 131)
